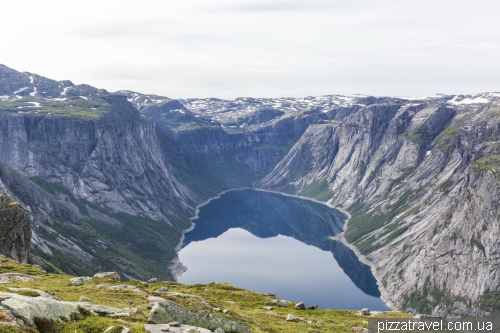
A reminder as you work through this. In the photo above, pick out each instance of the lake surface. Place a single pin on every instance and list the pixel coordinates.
(267, 242)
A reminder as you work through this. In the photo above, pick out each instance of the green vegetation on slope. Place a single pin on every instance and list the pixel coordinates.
(135, 245)
(363, 222)
(74, 107)
(245, 306)
(318, 189)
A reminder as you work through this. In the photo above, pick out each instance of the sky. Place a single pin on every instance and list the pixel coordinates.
(258, 48)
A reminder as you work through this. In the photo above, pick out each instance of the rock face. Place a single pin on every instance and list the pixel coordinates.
(27, 308)
(165, 312)
(98, 173)
(15, 230)
(420, 179)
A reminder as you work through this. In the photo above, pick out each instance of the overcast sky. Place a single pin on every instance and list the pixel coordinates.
(258, 48)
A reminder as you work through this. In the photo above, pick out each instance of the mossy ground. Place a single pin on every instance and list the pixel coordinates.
(245, 306)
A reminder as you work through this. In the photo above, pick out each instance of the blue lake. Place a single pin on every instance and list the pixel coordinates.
(267, 242)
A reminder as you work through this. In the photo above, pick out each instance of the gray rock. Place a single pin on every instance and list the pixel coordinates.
(107, 277)
(226, 311)
(174, 324)
(219, 330)
(26, 308)
(15, 230)
(365, 312)
(85, 299)
(268, 308)
(81, 280)
(216, 310)
(300, 306)
(291, 317)
(108, 311)
(162, 290)
(153, 280)
(312, 307)
(277, 302)
(158, 328)
(165, 312)
(8, 277)
(136, 311)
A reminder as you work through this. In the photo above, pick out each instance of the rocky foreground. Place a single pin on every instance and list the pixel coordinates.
(32, 300)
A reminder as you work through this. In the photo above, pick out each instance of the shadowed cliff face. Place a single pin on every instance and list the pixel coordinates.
(15, 230)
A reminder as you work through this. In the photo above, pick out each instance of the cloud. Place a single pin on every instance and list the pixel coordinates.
(285, 5)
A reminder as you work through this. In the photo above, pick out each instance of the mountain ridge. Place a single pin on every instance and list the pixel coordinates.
(407, 170)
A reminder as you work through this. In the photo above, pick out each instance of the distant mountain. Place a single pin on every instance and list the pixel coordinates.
(110, 180)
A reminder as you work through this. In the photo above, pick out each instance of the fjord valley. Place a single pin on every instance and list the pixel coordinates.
(109, 181)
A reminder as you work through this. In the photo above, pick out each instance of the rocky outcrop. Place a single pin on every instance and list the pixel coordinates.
(165, 312)
(419, 181)
(15, 230)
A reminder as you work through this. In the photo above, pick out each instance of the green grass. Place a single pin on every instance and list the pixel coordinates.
(487, 163)
(404, 173)
(245, 306)
(318, 189)
(363, 222)
(73, 107)
(445, 186)
(143, 245)
(490, 301)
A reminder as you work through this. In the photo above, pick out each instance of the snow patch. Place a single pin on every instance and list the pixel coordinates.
(427, 153)
(64, 91)
(83, 97)
(22, 89)
(32, 94)
(466, 101)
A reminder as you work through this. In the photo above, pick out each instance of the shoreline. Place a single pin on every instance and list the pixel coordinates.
(177, 268)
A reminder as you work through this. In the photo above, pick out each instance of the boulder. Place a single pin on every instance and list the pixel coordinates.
(219, 330)
(365, 312)
(312, 307)
(81, 280)
(107, 277)
(162, 290)
(108, 311)
(155, 299)
(181, 295)
(152, 328)
(8, 277)
(124, 287)
(291, 317)
(277, 302)
(300, 306)
(165, 312)
(26, 308)
(153, 280)
(174, 324)
(85, 299)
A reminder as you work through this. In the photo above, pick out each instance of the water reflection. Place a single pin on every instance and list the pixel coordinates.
(268, 215)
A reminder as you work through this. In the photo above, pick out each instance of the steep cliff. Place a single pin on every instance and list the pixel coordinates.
(114, 178)
(110, 180)
(15, 230)
(420, 180)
